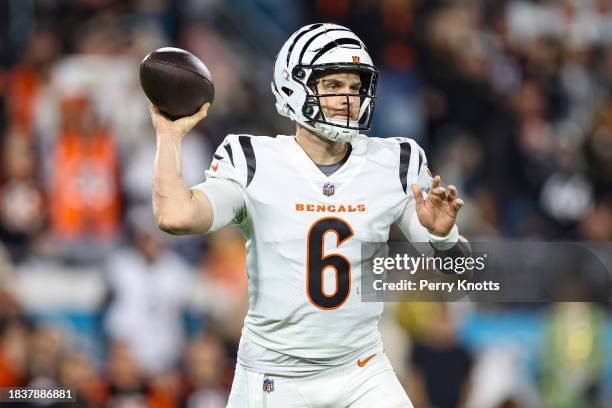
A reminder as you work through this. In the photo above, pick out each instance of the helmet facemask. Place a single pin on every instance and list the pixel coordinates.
(358, 119)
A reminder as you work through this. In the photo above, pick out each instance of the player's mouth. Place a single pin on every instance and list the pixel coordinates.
(340, 115)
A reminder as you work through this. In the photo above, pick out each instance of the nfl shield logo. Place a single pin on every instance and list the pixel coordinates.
(328, 189)
(268, 385)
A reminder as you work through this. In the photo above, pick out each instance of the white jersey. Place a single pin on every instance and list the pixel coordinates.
(304, 232)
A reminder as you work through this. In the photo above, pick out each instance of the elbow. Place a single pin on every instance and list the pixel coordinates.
(165, 224)
(169, 217)
(182, 217)
(171, 225)
(182, 224)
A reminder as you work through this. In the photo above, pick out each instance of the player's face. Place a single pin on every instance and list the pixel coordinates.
(339, 106)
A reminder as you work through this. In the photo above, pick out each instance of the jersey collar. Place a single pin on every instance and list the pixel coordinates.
(305, 164)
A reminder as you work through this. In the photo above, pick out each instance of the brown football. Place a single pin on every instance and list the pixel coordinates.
(176, 81)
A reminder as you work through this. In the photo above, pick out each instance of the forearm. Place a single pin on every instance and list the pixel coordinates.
(175, 206)
(459, 249)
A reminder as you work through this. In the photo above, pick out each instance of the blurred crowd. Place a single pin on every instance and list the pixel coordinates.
(511, 100)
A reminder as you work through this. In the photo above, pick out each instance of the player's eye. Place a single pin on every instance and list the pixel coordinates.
(332, 86)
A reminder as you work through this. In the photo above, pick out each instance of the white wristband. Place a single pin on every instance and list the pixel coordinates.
(446, 242)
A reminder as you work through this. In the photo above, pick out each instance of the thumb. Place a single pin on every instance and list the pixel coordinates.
(200, 114)
(418, 195)
(203, 112)
(190, 121)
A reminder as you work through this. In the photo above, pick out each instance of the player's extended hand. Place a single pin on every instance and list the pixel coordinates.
(178, 128)
(439, 210)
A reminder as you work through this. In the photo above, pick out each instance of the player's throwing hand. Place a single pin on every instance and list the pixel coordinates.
(177, 128)
(438, 211)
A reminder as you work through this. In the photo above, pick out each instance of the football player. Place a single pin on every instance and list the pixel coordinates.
(306, 203)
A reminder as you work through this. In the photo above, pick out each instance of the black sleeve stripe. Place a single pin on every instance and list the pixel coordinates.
(420, 161)
(228, 148)
(405, 152)
(218, 157)
(249, 155)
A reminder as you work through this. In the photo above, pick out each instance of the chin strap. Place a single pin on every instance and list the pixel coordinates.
(334, 133)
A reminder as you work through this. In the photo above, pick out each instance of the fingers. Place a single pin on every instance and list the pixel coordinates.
(206, 106)
(156, 115)
(437, 181)
(152, 108)
(159, 121)
(203, 112)
(457, 204)
(199, 115)
(178, 127)
(195, 118)
(452, 193)
(187, 123)
(418, 195)
(437, 190)
(438, 194)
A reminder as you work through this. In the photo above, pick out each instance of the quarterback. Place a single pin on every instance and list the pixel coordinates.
(306, 203)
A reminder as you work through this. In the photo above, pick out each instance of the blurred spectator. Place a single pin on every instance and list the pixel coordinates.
(46, 344)
(76, 371)
(599, 147)
(127, 386)
(30, 75)
(13, 353)
(22, 209)
(597, 224)
(166, 390)
(13, 329)
(225, 263)
(224, 269)
(440, 365)
(149, 287)
(573, 356)
(10, 307)
(206, 366)
(85, 194)
(502, 379)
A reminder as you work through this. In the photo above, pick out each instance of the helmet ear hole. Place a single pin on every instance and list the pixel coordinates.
(299, 73)
(310, 111)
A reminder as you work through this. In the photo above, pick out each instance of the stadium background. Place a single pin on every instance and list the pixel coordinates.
(511, 100)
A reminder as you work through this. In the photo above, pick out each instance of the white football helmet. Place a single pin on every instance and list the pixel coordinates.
(310, 51)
